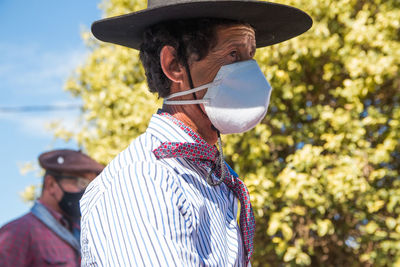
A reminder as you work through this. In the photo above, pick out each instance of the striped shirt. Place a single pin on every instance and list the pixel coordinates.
(141, 211)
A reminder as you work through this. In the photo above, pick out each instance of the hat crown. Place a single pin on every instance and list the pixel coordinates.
(69, 161)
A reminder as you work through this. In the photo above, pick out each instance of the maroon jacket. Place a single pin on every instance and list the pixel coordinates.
(28, 242)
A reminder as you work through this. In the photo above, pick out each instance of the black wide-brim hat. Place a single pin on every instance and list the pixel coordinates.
(273, 23)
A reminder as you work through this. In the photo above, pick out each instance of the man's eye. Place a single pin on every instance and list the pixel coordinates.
(233, 54)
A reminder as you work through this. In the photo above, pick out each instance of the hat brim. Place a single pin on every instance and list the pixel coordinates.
(273, 23)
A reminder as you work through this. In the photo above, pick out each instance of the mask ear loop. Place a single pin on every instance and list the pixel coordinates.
(182, 52)
(57, 177)
(190, 78)
(59, 185)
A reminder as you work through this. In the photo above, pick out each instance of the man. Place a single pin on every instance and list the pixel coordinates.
(49, 234)
(170, 199)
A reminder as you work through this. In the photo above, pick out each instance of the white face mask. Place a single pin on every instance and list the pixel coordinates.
(236, 101)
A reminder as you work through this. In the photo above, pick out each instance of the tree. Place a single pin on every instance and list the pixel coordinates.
(323, 166)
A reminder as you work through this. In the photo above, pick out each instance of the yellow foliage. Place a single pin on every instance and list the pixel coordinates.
(323, 166)
(29, 194)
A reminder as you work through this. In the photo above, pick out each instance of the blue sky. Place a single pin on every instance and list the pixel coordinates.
(40, 46)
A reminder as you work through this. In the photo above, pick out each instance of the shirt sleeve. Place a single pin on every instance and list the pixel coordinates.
(14, 244)
(142, 218)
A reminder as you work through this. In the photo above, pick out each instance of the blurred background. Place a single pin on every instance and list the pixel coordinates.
(40, 46)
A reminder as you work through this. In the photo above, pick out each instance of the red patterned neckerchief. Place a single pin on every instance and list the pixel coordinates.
(206, 156)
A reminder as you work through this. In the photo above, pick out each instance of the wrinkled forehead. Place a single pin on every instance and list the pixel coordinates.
(238, 35)
(236, 29)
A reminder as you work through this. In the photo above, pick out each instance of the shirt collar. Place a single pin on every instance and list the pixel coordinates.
(167, 128)
(58, 216)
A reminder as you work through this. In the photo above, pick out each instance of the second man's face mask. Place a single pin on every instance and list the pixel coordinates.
(236, 101)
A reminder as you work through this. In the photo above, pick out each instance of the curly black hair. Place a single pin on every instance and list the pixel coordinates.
(190, 37)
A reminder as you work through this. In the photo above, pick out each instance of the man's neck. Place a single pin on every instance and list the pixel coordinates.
(194, 117)
(49, 203)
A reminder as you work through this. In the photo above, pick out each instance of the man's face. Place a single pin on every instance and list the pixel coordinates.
(71, 185)
(234, 43)
(56, 184)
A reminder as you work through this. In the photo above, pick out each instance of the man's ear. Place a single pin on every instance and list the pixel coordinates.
(170, 64)
(49, 183)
